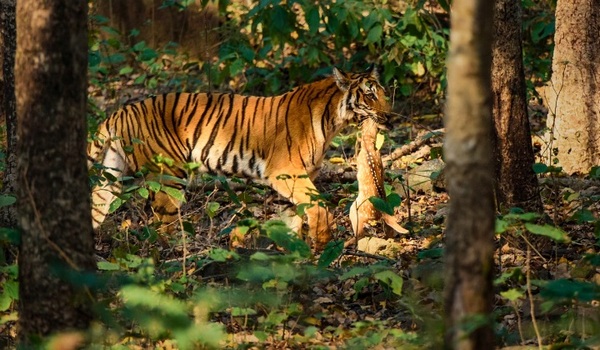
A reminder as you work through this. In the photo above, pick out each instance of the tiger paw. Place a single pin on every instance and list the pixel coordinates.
(319, 227)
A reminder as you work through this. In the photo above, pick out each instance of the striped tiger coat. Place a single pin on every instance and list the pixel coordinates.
(279, 140)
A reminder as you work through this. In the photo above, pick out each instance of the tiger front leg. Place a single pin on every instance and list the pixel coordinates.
(299, 189)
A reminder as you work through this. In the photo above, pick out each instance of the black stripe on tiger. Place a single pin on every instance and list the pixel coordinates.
(252, 136)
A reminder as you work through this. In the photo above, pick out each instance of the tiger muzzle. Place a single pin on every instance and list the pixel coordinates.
(382, 121)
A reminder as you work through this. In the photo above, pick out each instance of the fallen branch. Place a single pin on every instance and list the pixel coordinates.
(421, 140)
(366, 255)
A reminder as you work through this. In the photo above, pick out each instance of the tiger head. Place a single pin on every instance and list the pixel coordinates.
(363, 97)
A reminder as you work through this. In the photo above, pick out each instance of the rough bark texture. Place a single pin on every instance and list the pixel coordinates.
(469, 172)
(54, 206)
(516, 183)
(573, 95)
(8, 114)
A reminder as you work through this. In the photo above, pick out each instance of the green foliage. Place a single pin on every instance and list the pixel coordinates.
(268, 47)
(518, 222)
(388, 204)
(9, 293)
(283, 41)
(538, 42)
(7, 199)
(379, 273)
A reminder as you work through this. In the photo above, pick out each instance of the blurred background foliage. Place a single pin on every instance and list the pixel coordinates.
(266, 47)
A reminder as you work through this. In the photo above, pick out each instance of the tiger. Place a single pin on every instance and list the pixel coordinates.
(369, 174)
(279, 141)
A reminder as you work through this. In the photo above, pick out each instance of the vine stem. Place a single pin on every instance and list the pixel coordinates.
(531, 302)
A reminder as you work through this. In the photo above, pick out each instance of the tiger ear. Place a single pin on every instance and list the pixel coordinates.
(374, 71)
(341, 79)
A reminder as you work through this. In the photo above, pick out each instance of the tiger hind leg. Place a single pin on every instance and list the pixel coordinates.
(166, 208)
(103, 194)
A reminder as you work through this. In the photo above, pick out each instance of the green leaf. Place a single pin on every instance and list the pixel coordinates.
(139, 46)
(512, 294)
(5, 302)
(595, 172)
(280, 20)
(173, 192)
(94, 59)
(583, 215)
(10, 293)
(140, 79)
(153, 310)
(301, 208)
(394, 200)
(143, 192)
(108, 266)
(242, 311)
(222, 255)
(355, 271)
(115, 58)
(360, 284)
(11, 288)
(188, 227)
(539, 168)
(313, 20)
(212, 208)
(501, 225)
(567, 289)
(110, 30)
(434, 253)
(148, 234)
(514, 274)
(374, 34)
(283, 236)
(527, 217)
(10, 235)
(381, 205)
(390, 278)
(125, 70)
(549, 231)
(332, 251)
(116, 204)
(7, 199)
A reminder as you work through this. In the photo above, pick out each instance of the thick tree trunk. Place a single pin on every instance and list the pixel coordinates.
(469, 170)
(516, 183)
(8, 114)
(573, 95)
(54, 206)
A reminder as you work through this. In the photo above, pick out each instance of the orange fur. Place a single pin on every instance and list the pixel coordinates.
(279, 140)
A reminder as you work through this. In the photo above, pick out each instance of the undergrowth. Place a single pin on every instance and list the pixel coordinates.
(196, 292)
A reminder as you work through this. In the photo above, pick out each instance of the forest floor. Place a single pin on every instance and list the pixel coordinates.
(350, 304)
(388, 294)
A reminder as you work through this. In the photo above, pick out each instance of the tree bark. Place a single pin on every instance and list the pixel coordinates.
(516, 183)
(8, 114)
(54, 206)
(469, 170)
(573, 95)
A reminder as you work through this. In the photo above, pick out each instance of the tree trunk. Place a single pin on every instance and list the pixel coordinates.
(516, 183)
(8, 114)
(54, 206)
(469, 170)
(573, 95)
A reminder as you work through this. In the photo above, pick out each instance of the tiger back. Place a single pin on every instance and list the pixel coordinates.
(279, 140)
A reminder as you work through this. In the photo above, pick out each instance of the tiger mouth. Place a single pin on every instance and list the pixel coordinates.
(382, 121)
